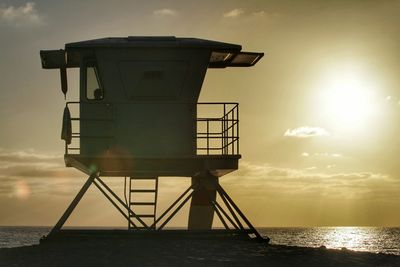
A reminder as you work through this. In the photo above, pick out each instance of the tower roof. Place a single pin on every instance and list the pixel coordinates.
(222, 54)
(154, 41)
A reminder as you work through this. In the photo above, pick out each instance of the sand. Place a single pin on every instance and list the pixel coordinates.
(184, 252)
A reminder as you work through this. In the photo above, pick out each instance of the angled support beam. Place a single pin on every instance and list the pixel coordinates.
(170, 207)
(239, 224)
(226, 215)
(220, 216)
(223, 195)
(217, 208)
(175, 211)
(114, 204)
(73, 204)
(121, 202)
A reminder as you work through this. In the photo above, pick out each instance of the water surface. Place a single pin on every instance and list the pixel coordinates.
(372, 239)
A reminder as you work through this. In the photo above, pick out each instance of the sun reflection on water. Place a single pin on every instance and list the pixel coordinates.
(372, 239)
(354, 238)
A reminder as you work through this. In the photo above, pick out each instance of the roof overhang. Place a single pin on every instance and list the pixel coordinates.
(153, 41)
(222, 54)
(57, 59)
(220, 59)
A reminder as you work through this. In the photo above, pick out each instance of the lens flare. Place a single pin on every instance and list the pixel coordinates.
(22, 190)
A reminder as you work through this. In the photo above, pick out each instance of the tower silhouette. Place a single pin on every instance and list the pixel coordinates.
(138, 118)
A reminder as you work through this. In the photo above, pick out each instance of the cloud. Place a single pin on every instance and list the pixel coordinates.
(26, 156)
(28, 163)
(264, 180)
(165, 12)
(305, 132)
(251, 16)
(260, 13)
(234, 13)
(27, 172)
(24, 15)
(333, 155)
(322, 155)
(36, 170)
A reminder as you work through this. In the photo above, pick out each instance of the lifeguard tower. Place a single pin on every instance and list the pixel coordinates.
(138, 119)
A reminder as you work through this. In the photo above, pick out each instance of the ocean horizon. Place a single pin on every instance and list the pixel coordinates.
(367, 239)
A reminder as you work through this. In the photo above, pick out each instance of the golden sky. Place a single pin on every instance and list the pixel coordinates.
(319, 114)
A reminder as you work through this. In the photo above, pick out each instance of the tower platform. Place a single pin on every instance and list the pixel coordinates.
(186, 166)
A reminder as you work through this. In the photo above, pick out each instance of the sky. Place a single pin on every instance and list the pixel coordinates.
(319, 114)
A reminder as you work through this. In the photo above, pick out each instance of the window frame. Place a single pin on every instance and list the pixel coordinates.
(91, 64)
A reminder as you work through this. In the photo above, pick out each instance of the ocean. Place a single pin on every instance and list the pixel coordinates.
(371, 239)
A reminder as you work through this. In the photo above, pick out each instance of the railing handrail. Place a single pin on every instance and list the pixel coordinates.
(229, 133)
(77, 135)
(228, 123)
(217, 103)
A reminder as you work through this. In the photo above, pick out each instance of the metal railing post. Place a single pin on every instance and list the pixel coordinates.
(228, 133)
(237, 128)
(224, 134)
(232, 132)
(208, 137)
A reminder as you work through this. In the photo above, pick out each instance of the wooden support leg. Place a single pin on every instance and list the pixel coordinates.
(73, 204)
(201, 213)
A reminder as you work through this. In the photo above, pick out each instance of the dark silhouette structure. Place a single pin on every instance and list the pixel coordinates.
(138, 118)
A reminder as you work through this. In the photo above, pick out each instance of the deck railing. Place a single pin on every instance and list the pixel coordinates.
(218, 134)
(76, 136)
(217, 128)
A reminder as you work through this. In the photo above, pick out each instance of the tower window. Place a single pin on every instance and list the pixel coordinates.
(94, 91)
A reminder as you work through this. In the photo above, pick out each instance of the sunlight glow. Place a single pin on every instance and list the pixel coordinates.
(347, 98)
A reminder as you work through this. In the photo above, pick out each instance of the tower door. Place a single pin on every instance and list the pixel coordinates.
(96, 114)
(96, 128)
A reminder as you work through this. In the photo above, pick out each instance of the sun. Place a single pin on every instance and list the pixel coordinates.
(346, 99)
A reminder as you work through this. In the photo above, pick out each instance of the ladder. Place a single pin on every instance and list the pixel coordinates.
(143, 201)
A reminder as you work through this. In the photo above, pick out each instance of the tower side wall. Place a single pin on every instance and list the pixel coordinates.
(149, 104)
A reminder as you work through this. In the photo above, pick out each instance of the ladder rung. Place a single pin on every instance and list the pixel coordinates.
(143, 178)
(143, 215)
(143, 190)
(142, 203)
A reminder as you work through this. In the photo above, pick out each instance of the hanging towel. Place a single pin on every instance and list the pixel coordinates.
(66, 132)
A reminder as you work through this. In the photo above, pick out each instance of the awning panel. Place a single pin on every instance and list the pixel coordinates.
(220, 59)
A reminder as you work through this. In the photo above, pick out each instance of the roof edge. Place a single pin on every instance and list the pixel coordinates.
(153, 41)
